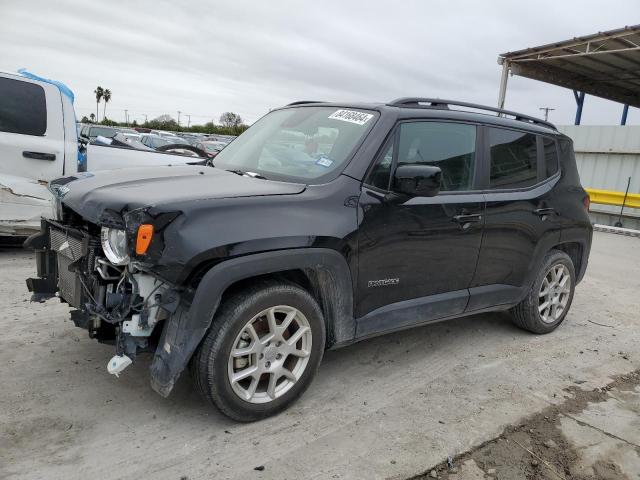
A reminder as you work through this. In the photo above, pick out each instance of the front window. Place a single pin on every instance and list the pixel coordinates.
(447, 145)
(450, 146)
(298, 144)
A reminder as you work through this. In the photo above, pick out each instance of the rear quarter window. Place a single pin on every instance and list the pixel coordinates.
(550, 155)
(23, 107)
(514, 159)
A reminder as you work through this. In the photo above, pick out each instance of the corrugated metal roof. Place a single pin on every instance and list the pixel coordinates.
(606, 64)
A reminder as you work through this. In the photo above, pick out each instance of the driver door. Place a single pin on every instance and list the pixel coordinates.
(417, 256)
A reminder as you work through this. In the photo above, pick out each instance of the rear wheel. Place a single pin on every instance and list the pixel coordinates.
(548, 302)
(262, 351)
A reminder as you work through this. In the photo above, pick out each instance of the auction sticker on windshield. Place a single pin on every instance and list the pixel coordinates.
(359, 118)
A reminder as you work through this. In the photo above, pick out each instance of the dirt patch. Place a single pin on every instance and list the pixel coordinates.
(42, 435)
(536, 449)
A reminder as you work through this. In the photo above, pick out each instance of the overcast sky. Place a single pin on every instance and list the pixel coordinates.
(205, 57)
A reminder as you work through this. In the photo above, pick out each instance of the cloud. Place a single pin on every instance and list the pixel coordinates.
(204, 57)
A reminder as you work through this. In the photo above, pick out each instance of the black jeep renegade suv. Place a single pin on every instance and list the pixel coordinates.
(321, 225)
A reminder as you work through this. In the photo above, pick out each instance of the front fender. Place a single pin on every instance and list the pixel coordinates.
(186, 328)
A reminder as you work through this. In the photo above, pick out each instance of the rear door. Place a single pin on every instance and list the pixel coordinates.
(417, 256)
(521, 224)
(31, 129)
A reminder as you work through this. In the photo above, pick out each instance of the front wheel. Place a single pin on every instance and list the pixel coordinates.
(549, 299)
(262, 351)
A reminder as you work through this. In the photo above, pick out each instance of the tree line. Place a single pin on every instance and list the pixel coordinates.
(230, 123)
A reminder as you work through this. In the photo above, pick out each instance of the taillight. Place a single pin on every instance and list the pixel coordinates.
(143, 240)
(586, 201)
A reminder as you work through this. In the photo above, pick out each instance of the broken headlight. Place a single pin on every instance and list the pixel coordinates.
(114, 244)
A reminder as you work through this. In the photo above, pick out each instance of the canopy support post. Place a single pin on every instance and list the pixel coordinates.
(579, 96)
(503, 84)
(625, 111)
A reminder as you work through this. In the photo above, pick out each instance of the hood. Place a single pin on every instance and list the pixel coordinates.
(90, 194)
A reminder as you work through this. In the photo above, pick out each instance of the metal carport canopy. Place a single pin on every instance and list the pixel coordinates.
(606, 64)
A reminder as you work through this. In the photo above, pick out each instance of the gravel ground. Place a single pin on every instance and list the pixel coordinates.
(391, 407)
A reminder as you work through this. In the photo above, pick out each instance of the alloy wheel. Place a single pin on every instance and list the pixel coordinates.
(270, 354)
(554, 293)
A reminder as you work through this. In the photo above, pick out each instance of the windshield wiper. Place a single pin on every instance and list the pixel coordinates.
(242, 173)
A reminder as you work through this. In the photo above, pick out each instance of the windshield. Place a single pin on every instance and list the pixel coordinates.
(298, 144)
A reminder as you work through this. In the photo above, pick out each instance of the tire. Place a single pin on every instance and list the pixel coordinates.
(528, 314)
(262, 305)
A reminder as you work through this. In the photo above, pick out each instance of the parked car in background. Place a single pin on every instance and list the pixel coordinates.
(173, 144)
(191, 138)
(132, 136)
(321, 225)
(220, 138)
(211, 148)
(156, 141)
(164, 134)
(90, 132)
(129, 131)
(127, 140)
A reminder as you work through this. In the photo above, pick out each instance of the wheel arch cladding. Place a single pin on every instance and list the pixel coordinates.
(575, 251)
(326, 269)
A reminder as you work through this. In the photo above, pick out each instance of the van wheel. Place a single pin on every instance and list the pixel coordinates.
(262, 351)
(548, 302)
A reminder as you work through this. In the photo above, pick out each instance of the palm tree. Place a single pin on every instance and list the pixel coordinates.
(92, 117)
(106, 95)
(99, 93)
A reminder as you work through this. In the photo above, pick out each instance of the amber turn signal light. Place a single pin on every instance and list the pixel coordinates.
(145, 234)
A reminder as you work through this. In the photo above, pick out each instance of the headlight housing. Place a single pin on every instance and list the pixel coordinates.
(114, 244)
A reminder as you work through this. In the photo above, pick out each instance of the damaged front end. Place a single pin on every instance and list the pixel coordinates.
(118, 300)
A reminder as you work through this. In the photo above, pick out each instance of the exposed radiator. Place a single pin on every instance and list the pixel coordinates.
(68, 249)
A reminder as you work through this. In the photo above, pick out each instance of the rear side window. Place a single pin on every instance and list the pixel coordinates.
(566, 151)
(23, 108)
(450, 146)
(550, 155)
(514, 159)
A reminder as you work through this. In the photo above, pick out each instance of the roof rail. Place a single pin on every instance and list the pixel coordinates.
(417, 102)
(302, 102)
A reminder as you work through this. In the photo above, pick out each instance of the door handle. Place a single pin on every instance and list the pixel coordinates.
(39, 155)
(462, 219)
(543, 212)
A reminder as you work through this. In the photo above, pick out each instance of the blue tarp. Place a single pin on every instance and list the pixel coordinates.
(61, 86)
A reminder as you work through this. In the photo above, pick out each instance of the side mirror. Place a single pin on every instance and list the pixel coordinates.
(417, 180)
